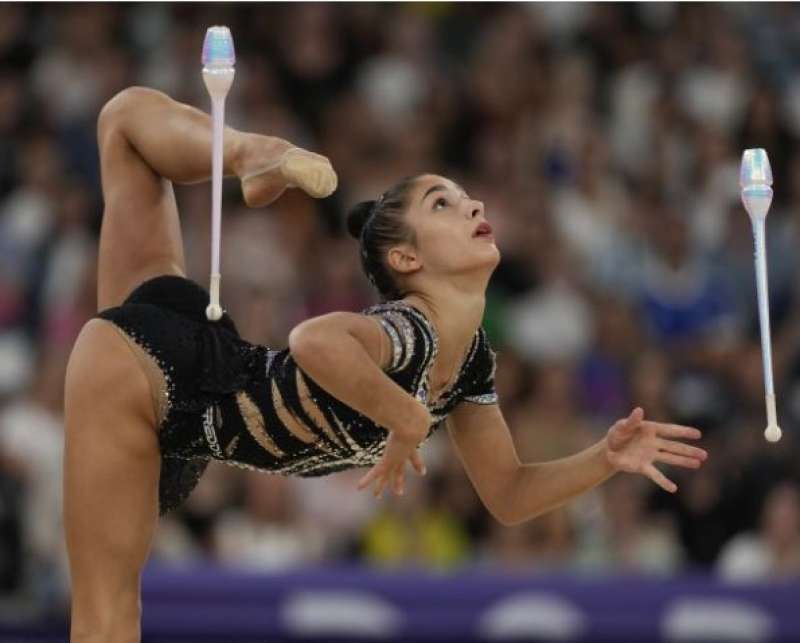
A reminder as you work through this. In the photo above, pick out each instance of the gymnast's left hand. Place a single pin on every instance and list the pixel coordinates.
(391, 468)
(635, 445)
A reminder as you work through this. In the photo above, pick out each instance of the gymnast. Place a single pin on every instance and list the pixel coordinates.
(154, 390)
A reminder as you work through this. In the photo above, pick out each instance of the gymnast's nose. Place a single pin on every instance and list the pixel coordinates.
(476, 209)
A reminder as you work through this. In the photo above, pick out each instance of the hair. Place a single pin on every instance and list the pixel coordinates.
(378, 225)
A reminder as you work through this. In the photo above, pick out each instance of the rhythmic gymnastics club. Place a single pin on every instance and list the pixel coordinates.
(218, 61)
(755, 179)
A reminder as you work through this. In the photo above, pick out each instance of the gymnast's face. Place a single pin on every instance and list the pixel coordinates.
(450, 233)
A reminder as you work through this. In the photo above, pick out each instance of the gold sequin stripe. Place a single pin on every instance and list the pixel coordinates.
(366, 456)
(431, 351)
(492, 355)
(396, 314)
(360, 454)
(406, 328)
(232, 446)
(476, 342)
(485, 398)
(397, 344)
(294, 426)
(254, 421)
(320, 462)
(429, 337)
(312, 410)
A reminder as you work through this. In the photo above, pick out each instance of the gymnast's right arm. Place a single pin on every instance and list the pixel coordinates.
(345, 354)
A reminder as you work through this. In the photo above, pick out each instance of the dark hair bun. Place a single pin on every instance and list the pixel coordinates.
(358, 216)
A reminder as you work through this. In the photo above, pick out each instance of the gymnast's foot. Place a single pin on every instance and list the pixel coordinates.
(270, 165)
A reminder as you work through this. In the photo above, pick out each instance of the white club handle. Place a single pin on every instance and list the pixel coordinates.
(218, 72)
(773, 432)
(214, 310)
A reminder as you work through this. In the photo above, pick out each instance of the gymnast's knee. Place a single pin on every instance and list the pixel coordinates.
(115, 114)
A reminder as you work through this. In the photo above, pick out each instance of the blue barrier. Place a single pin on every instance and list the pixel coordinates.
(348, 604)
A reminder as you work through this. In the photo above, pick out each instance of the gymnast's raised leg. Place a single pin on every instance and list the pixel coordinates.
(112, 460)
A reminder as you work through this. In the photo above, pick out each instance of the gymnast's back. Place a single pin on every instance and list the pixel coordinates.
(219, 396)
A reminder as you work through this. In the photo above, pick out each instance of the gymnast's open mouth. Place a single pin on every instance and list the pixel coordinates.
(483, 230)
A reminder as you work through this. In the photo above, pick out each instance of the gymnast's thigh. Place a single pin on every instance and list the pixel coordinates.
(111, 474)
(107, 393)
(140, 235)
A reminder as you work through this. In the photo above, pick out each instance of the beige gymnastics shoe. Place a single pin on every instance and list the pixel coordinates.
(296, 168)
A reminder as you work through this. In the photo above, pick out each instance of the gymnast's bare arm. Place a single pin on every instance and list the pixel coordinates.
(515, 492)
(345, 353)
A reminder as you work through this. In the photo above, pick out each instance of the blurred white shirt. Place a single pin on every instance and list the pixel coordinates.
(34, 437)
(744, 558)
(550, 323)
(260, 545)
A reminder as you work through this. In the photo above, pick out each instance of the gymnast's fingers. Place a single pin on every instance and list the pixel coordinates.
(659, 478)
(679, 448)
(399, 480)
(380, 485)
(367, 479)
(676, 431)
(634, 419)
(628, 424)
(623, 429)
(678, 460)
(417, 463)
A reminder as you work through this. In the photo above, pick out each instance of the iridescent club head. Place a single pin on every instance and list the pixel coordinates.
(755, 169)
(218, 48)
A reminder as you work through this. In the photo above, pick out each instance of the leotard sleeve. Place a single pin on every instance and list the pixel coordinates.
(479, 373)
(411, 340)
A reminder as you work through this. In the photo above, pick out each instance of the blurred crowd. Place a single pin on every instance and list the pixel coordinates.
(604, 140)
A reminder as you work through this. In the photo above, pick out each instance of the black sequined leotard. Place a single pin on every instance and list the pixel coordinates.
(253, 407)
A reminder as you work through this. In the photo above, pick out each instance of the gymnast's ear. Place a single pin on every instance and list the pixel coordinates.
(404, 259)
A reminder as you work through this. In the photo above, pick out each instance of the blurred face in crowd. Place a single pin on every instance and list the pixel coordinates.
(781, 518)
(451, 236)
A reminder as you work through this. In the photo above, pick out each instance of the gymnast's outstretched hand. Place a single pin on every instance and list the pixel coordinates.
(635, 445)
(391, 468)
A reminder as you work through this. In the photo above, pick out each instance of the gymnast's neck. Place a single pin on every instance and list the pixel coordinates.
(456, 311)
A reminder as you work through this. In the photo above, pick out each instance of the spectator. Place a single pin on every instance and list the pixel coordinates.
(264, 534)
(774, 550)
(32, 442)
(630, 540)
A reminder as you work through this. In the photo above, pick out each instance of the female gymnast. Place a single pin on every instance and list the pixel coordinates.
(154, 390)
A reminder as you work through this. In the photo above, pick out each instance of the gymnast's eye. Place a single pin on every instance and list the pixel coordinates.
(440, 203)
